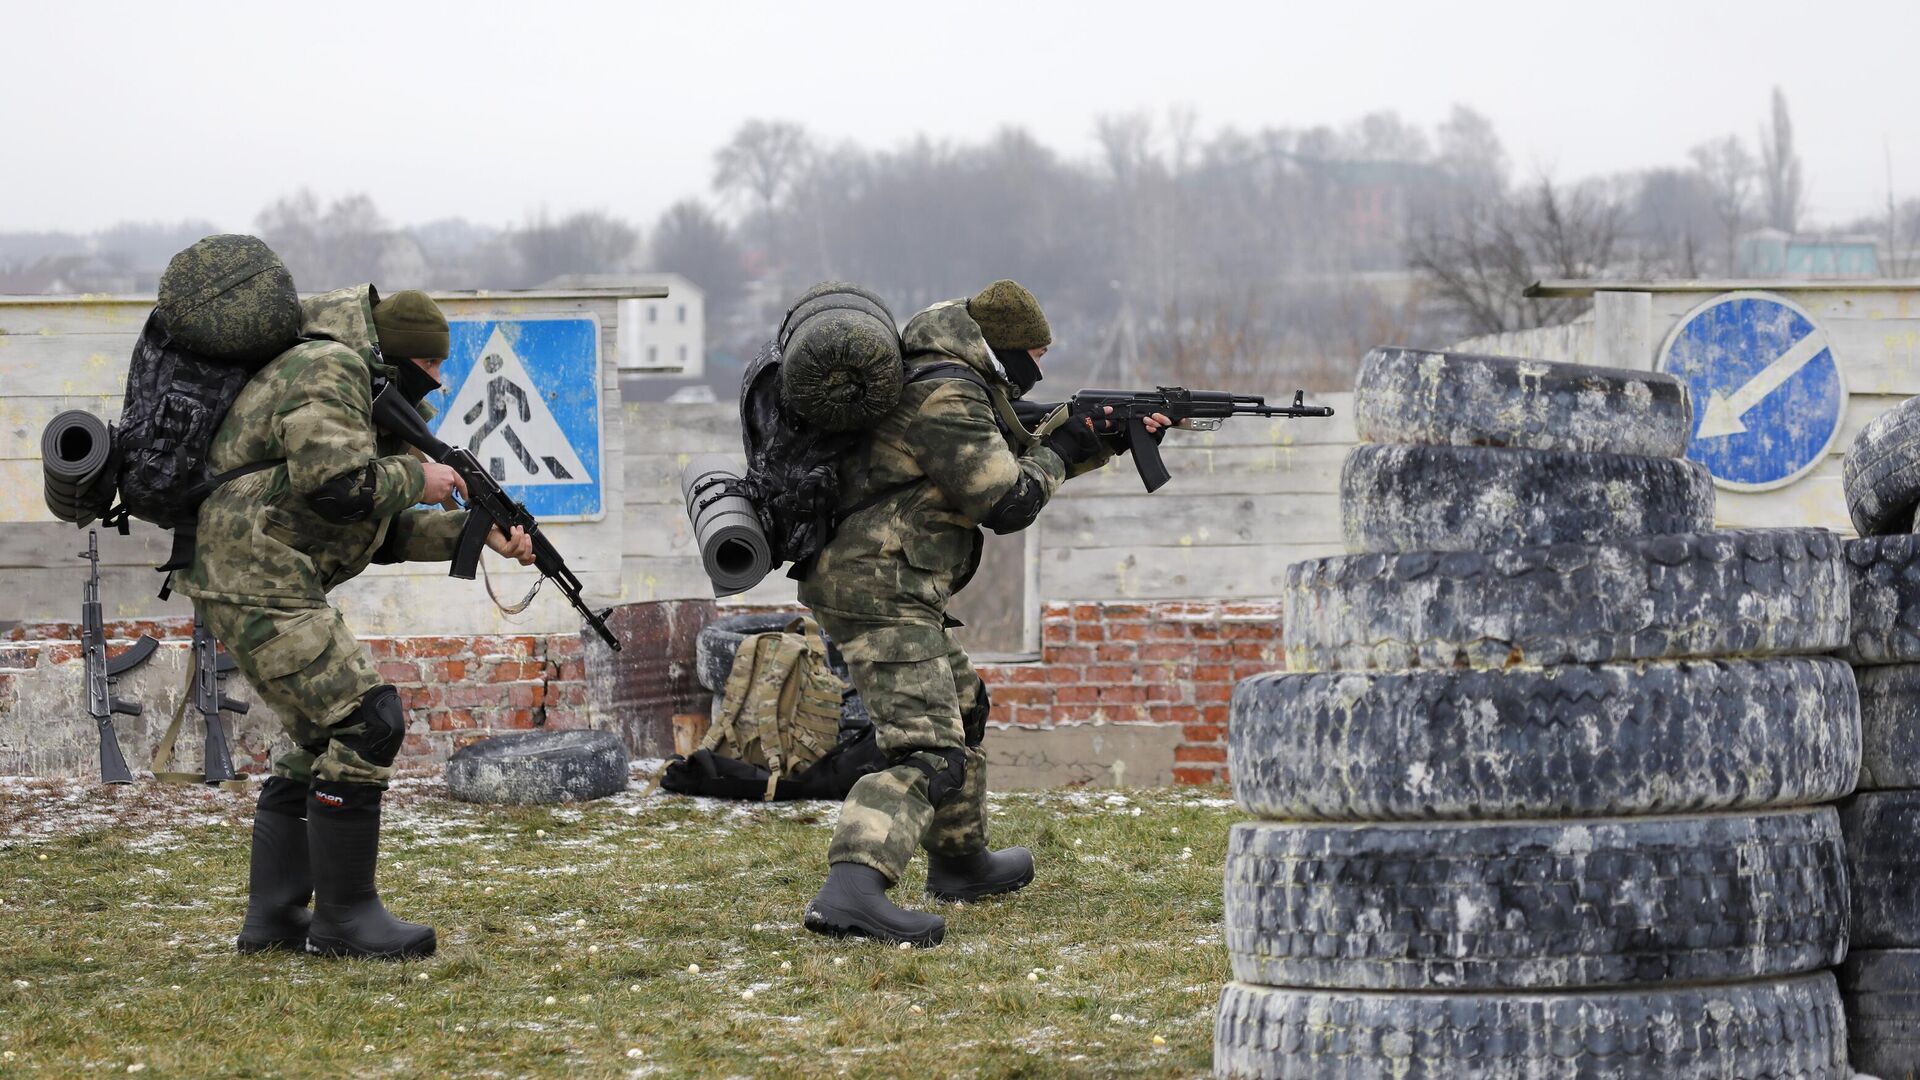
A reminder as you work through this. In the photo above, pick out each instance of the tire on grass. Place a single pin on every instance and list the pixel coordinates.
(1757, 592)
(1536, 905)
(1468, 498)
(1889, 726)
(1882, 830)
(1790, 1028)
(1461, 399)
(1883, 576)
(539, 767)
(1881, 992)
(1881, 472)
(1576, 740)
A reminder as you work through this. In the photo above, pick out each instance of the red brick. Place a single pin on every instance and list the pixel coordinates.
(60, 652)
(1022, 695)
(1076, 695)
(449, 670)
(574, 694)
(1025, 674)
(526, 695)
(450, 720)
(1184, 714)
(1069, 654)
(1192, 776)
(469, 695)
(1062, 674)
(568, 719)
(464, 739)
(516, 719)
(430, 647)
(1085, 613)
(1111, 673)
(1204, 632)
(1206, 692)
(1254, 650)
(515, 671)
(380, 648)
(1215, 714)
(1127, 632)
(1243, 631)
(1166, 650)
(1115, 653)
(1123, 612)
(20, 656)
(398, 671)
(1089, 632)
(564, 645)
(1212, 673)
(1056, 633)
(1249, 668)
(1123, 695)
(1170, 631)
(1199, 753)
(1069, 713)
(1165, 691)
(1203, 733)
(572, 669)
(1213, 653)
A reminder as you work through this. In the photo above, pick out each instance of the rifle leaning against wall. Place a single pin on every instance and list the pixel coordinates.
(1193, 410)
(487, 506)
(206, 673)
(102, 670)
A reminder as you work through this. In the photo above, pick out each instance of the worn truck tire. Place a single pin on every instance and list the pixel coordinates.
(1460, 399)
(1881, 472)
(1790, 1029)
(1576, 740)
(1889, 726)
(1880, 989)
(1882, 830)
(539, 767)
(719, 641)
(1883, 576)
(1536, 905)
(1757, 592)
(1468, 498)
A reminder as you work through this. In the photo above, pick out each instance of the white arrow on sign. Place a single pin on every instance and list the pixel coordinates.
(1723, 412)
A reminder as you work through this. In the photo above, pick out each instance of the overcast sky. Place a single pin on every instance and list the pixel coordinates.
(163, 111)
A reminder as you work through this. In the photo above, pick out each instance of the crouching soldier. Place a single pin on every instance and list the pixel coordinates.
(271, 544)
(950, 458)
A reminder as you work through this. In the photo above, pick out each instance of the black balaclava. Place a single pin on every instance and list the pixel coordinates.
(415, 383)
(1022, 371)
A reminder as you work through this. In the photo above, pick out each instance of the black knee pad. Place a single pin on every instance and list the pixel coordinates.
(383, 725)
(943, 782)
(974, 721)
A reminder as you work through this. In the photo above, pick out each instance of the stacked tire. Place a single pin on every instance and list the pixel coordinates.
(1880, 982)
(1540, 795)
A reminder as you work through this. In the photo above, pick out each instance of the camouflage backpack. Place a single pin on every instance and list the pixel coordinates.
(780, 709)
(227, 306)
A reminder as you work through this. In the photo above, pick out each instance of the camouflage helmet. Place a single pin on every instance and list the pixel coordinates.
(229, 297)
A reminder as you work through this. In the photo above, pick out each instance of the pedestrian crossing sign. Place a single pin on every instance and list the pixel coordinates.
(524, 396)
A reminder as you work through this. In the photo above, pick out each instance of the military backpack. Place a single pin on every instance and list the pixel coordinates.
(227, 306)
(780, 708)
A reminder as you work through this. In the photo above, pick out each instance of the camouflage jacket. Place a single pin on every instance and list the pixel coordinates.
(311, 408)
(920, 541)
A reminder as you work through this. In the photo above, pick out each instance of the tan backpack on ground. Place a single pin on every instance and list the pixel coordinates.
(780, 709)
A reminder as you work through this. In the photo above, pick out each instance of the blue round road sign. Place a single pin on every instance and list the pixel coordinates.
(1767, 395)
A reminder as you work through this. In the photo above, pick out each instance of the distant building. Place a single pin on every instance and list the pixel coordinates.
(1771, 253)
(671, 337)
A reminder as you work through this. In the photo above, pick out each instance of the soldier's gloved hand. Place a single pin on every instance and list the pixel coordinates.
(1077, 440)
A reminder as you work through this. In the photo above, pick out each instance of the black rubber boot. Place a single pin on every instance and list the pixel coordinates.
(343, 833)
(853, 903)
(983, 873)
(279, 881)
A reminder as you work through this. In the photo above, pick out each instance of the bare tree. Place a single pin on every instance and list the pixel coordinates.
(761, 161)
(1126, 142)
(1476, 263)
(691, 239)
(593, 242)
(1728, 171)
(1471, 152)
(1780, 169)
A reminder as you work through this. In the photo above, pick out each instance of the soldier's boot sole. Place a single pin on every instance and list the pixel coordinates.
(853, 903)
(973, 877)
(279, 878)
(343, 838)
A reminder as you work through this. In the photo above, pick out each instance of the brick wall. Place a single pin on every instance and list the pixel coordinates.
(1166, 663)
(1158, 663)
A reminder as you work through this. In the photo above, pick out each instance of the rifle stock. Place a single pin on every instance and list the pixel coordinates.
(101, 670)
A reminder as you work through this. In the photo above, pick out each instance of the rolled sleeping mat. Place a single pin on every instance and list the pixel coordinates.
(75, 446)
(840, 359)
(82, 508)
(733, 547)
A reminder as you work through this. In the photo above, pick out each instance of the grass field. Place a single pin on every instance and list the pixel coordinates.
(628, 937)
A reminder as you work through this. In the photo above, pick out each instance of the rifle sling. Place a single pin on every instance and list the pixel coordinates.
(163, 749)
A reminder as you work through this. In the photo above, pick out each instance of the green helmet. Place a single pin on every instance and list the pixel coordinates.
(229, 297)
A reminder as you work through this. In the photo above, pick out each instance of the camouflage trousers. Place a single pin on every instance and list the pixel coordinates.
(307, 665)
(918, 685)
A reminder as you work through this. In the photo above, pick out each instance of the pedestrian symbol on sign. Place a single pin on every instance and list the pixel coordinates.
(523, 396)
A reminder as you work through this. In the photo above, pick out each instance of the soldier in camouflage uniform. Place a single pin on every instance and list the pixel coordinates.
(271, 544)
(951, 457)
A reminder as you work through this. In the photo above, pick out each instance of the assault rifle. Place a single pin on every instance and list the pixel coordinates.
(1193, 410)
(210, 668)
(487, 506)
(103, 670)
